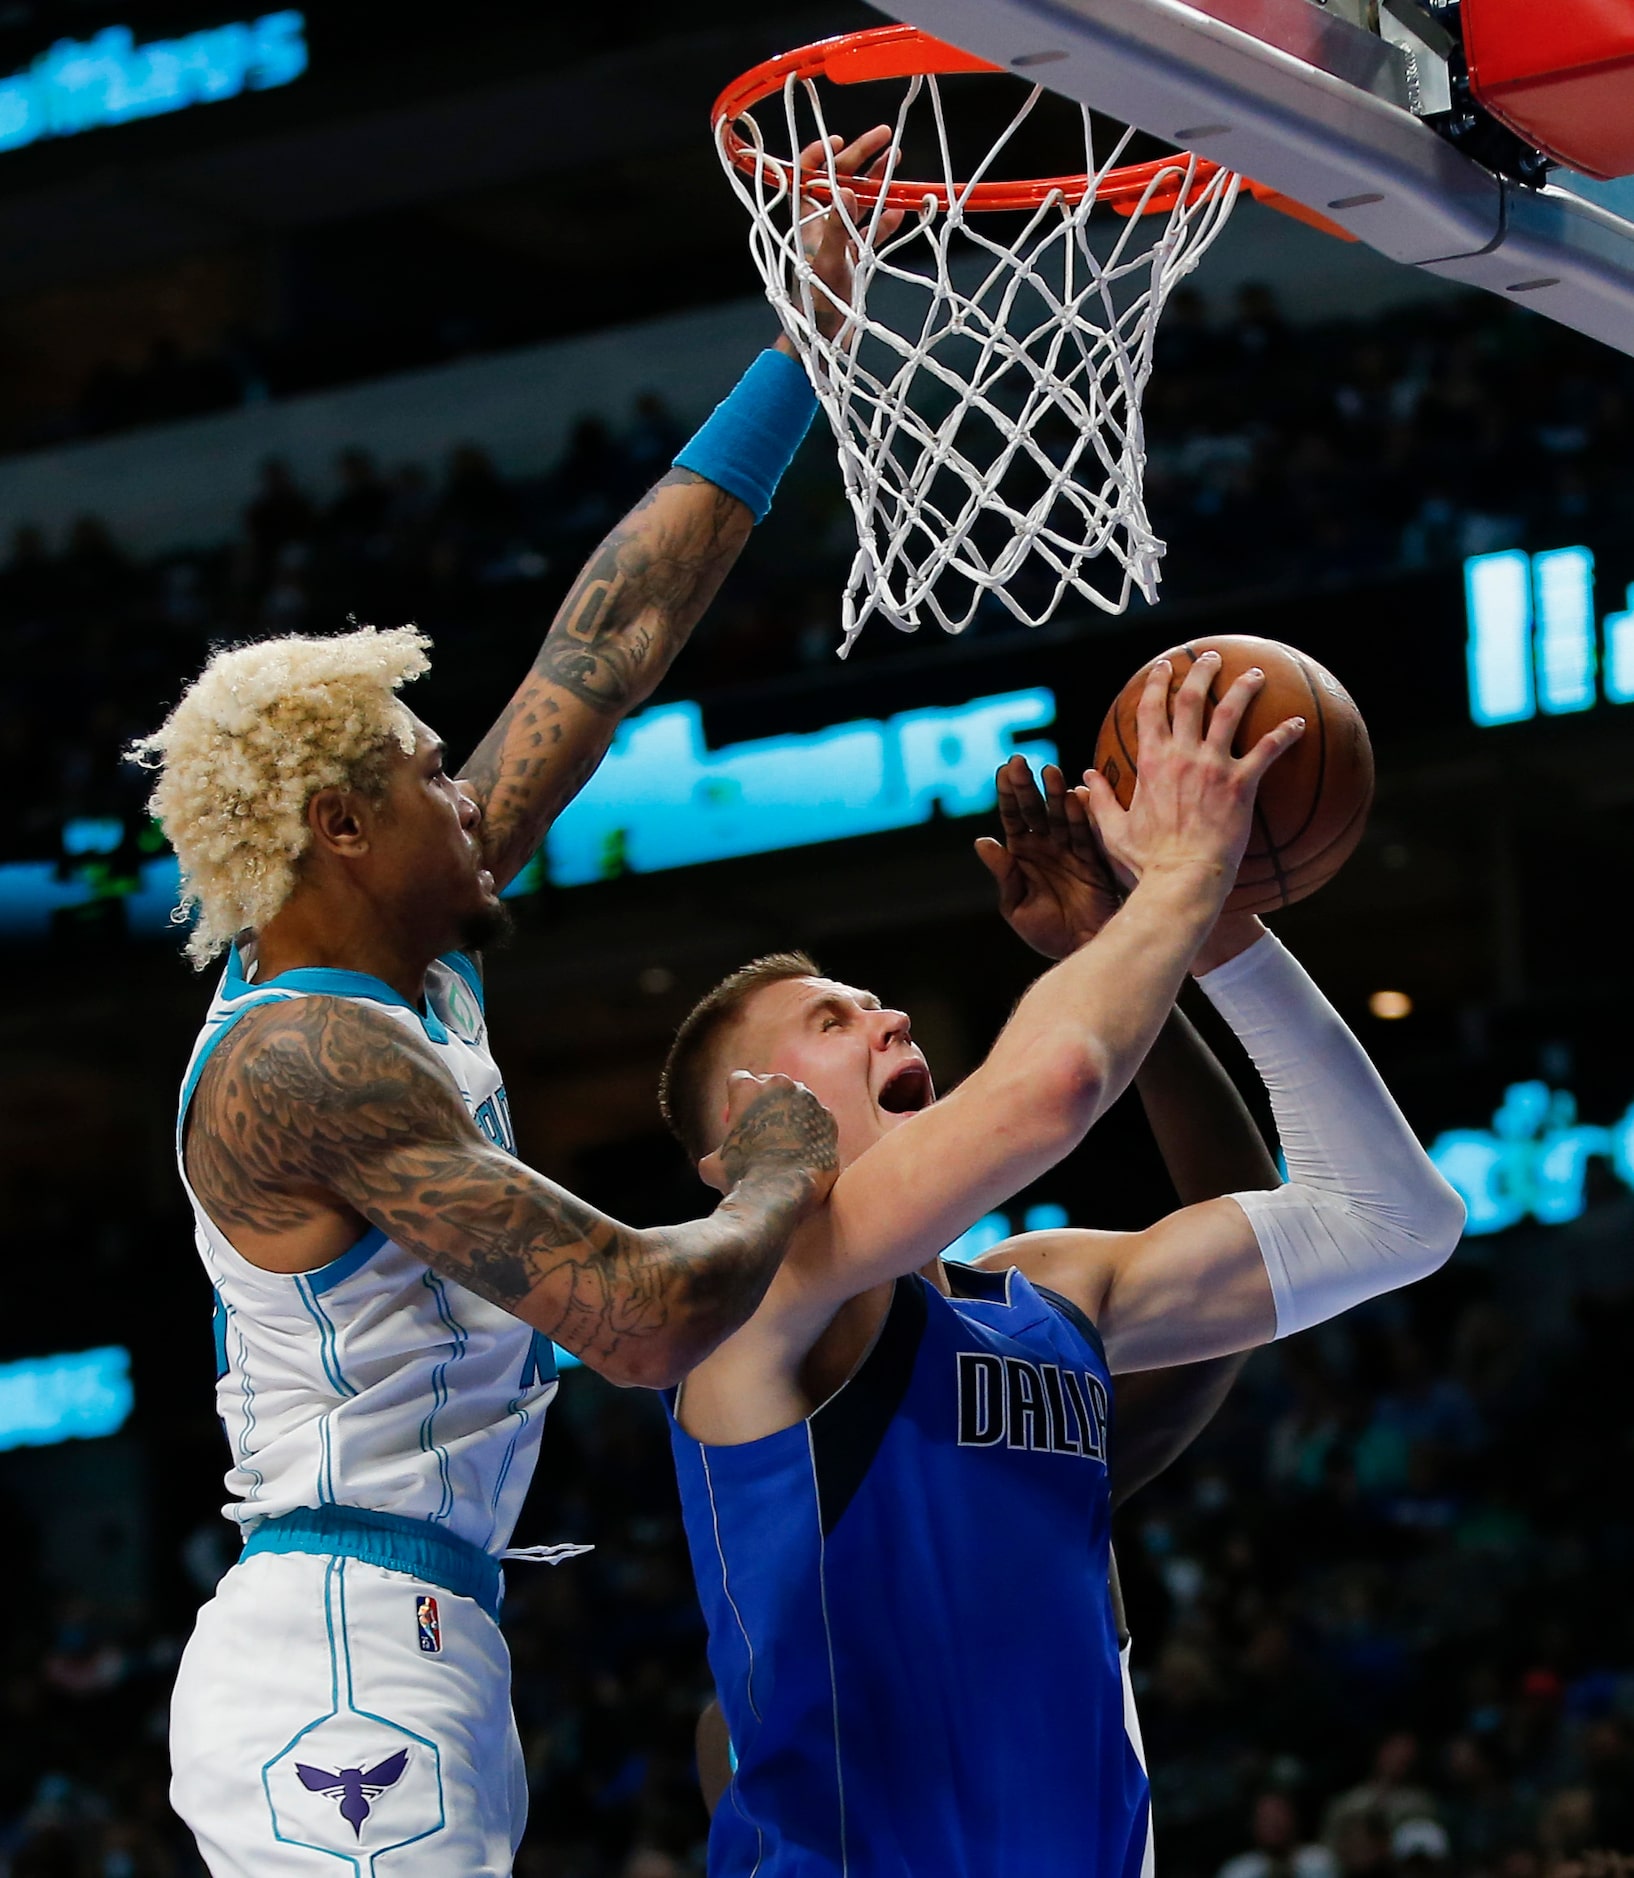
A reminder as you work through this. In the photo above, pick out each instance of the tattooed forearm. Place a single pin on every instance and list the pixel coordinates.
(315, 1106)
(626, 617)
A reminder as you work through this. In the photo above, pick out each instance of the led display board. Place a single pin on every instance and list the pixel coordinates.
(661, 799)
(1532, 641)
(90, 84)
(1533, 1162)
(44, 1399)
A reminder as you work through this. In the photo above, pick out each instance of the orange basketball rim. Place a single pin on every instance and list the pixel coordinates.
(886, 52)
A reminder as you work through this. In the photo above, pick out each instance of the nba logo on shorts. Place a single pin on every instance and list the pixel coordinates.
(425, 1622)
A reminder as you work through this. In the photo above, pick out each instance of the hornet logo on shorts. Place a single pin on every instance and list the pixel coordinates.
(354, 1787)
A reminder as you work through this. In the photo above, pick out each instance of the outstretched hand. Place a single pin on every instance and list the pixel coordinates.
(829, 244)
(1055, 888)
(1193, 804)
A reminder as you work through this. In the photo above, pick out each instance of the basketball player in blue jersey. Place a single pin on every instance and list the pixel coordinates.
(1056, 893)
(895, 1475)
(388, 1276)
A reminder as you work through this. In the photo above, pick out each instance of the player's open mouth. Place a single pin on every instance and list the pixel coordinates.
(906, 1091)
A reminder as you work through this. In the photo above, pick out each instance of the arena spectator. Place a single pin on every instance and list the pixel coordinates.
(1278, 1851)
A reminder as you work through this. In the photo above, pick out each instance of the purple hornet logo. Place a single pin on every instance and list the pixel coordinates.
(354, 1787)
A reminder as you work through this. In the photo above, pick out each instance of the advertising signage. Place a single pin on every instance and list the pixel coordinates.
(111, 78)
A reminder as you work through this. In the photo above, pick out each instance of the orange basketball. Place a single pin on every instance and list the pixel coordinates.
(1313, 802)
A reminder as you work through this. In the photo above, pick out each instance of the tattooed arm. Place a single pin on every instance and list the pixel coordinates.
(628, 614)
(315, 1109)
(634, 605)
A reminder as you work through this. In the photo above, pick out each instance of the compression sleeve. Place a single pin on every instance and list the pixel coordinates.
(750, 438)
(1364, 1210)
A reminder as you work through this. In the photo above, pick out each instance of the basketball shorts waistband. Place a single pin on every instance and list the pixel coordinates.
(411, 1546)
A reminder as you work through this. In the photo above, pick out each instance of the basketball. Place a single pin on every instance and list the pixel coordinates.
(1313, 803)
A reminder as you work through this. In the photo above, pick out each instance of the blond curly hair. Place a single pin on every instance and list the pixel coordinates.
(256, 735)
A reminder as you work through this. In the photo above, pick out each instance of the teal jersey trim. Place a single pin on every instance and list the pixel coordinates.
(223, 1025)
(335, 984)
(411, 1546)
(338, 1270)
(323, 982)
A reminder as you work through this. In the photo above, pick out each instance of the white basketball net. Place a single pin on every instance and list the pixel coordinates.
(988, 411)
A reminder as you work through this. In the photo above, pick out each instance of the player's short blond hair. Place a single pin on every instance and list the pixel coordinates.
(684, 1088)
(256, 735)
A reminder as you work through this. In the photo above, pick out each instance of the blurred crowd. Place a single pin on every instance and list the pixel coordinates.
(1281, 458)
(1380, 1617)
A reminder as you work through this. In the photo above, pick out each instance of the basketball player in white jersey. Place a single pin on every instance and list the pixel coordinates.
(388, 1276)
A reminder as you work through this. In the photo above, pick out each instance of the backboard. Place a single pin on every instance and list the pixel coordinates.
(1307, 97)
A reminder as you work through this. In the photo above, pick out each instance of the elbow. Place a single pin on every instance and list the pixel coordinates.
(644, 1369)
(662, 1357)
(664, 1362)
(1063, 1094)
(1441, 1221)
(677, 1298)
(651, 1362)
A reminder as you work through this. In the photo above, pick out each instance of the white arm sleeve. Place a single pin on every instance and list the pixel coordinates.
(1364, 1210)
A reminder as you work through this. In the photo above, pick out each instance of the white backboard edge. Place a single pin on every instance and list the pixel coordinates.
(1289, 95)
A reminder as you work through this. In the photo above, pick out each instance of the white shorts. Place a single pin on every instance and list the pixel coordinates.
(324, 1709)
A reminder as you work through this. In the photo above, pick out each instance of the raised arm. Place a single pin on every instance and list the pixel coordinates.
(625, 618)
(1210, 1146)
(639, 596)
(317, 1105)
(1056, 890)
(1075, 1039)
(1363, 1210)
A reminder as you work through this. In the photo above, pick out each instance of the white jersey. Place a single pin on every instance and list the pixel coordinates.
(374, 1382)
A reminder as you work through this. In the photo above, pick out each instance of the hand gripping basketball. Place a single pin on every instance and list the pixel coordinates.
(1193, 804)
(1311, 810)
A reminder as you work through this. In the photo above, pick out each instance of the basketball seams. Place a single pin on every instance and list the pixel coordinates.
(1271, 852)
(1320, 786)
(1273, 847)
(1128, 754)
(1299, 880)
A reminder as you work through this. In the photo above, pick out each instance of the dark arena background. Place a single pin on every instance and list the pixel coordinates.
(392, 322)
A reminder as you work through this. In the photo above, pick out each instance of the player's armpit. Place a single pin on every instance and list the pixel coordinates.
(1192, 1287)
(625, 618)
(319, 1099)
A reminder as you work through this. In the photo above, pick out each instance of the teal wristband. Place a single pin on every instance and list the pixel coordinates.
(750, 438)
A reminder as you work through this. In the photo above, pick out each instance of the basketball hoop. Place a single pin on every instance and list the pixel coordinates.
(987, 406)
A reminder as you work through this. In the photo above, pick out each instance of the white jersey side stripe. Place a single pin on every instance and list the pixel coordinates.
(439, 1392)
